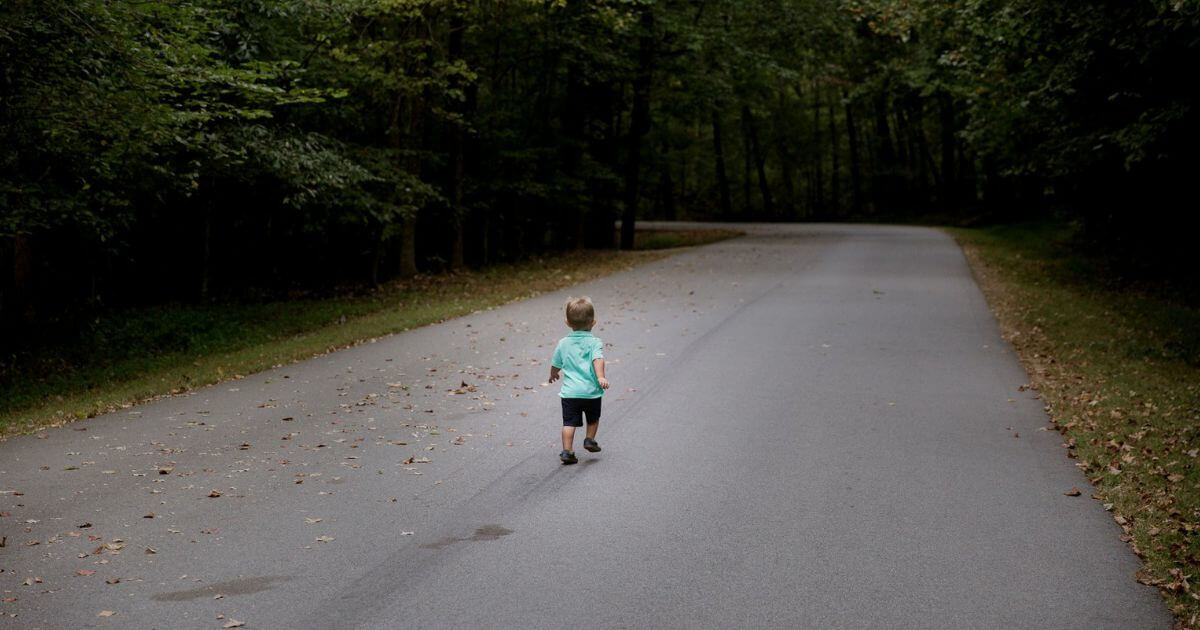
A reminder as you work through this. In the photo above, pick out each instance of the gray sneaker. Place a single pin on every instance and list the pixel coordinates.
(567, 457)
(591, 445)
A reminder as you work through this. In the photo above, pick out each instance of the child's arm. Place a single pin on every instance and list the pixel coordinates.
(553, 374)
(599, 365)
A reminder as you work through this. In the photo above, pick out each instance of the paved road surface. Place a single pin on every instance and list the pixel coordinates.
(809, 427)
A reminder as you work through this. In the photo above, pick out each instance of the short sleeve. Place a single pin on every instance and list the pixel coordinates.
(557, 359)
(598, 350)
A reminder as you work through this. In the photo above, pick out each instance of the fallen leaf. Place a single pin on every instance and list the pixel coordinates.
(105, 613)
(233, 623)
(324, 538)
(151, 551)
(214, 493)
(311, 521)
(1073, 492)
(1175, 478)
(85, 572)
(115, 580)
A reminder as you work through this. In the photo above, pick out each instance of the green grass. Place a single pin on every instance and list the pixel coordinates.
(123, 358)
(1117, 362)
(666, 239)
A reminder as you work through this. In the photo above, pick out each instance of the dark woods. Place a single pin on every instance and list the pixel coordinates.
(216, 149)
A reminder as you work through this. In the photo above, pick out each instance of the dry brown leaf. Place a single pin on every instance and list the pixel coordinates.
(214, 493)
(1073, 492)
(105, 613)
(233, 623)
(324, 538)
(85, 572)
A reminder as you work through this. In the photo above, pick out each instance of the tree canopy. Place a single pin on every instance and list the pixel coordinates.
(194, 149)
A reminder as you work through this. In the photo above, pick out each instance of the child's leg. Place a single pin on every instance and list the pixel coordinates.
(572, 419)
(593, 418)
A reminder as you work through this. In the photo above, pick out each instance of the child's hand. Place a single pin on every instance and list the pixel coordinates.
(603, 382)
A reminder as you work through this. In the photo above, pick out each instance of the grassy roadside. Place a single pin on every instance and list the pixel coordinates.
(142, 354)
(1118, 366)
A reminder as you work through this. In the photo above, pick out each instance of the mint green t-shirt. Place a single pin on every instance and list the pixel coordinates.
(574, 356)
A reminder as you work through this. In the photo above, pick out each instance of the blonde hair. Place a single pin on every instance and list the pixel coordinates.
(580, 312)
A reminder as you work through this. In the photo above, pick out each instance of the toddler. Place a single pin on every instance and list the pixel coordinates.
(579, 359)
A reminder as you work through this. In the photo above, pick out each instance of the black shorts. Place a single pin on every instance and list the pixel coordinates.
(574, 408)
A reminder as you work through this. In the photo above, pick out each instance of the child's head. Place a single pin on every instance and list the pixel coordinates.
(580, 313)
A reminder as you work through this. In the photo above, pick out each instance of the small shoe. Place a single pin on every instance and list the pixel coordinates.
(591, 445)
(567, 457)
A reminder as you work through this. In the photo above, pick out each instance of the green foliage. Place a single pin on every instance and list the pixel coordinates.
(310, 143)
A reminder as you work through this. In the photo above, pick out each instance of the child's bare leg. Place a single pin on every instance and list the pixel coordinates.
(591, 429)
(568, 437)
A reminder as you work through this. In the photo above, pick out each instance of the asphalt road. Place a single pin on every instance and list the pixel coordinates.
(809, 427)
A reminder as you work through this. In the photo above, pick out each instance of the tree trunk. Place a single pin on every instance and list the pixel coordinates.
(407, 267)
(639, 125)
(407, 259)
(883, 173)
(726, 196)
(22, 306)
(667, 192)
(835, 205)
(573, 123)
(747, 166)
(949, 183)
(855, 160)
(785, 165)
(206, 245)
(819, 175)
(764, 187)
(454, 50)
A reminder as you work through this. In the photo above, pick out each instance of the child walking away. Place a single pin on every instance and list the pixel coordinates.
(579, 359)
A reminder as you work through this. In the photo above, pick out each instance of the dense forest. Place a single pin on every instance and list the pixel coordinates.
(184, 150)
